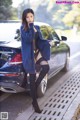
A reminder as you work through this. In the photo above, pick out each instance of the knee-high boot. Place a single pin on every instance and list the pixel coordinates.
(33, 93)
(24, 81)
(44, 71)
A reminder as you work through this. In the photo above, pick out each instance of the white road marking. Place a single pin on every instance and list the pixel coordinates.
(75, 55)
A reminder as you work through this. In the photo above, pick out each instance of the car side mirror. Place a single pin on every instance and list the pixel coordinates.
(63, 38)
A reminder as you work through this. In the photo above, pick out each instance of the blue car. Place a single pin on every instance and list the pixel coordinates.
(12, 72)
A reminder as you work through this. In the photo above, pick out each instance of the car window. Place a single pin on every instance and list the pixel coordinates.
(45, 33)
(53, 33)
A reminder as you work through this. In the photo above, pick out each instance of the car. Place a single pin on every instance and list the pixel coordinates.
(12, 72)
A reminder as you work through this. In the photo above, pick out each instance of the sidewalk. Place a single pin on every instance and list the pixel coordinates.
(61, 103)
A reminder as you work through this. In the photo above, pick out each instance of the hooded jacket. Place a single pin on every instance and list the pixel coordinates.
(27, 37)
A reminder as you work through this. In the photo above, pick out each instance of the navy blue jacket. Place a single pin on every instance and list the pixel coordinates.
(27, 38)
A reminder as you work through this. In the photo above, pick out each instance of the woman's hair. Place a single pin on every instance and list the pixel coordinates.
(24, 14)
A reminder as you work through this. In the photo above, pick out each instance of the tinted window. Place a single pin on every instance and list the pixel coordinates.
(53, 33)
(45, 33)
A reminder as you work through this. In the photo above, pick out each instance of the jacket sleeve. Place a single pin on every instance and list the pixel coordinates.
(43, 45)
(39, 33)
(27, 36)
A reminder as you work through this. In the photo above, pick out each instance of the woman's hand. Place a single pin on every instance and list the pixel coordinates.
(35, 29)
(32, 25)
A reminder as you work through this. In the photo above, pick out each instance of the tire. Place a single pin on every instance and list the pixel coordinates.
(42, 87)
(66, 66)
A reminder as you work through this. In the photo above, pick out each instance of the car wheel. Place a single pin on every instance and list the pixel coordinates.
(42, 87)
(66, 66)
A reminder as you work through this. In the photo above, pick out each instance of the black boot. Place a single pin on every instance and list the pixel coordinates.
(36, 107)
(24, 83)
(33, 93)
(43, 72)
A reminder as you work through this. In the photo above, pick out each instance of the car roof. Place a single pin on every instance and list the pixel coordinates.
(19, 21)
(8, 31)
(41, 23)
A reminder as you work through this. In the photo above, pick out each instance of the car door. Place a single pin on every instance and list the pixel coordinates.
(58, 48)
(48, 36)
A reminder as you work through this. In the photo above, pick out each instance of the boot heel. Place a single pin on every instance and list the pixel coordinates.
(36, 107)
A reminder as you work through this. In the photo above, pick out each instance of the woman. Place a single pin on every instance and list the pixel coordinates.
(35, 50)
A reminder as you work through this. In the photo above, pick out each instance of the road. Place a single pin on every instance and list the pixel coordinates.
(15, 104)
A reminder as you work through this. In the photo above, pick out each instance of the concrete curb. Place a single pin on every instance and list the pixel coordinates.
(73, 109)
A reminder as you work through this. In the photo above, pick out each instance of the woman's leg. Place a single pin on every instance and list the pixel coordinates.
(32, 79)
(44, 70)
(24, 83)
(33, 93)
